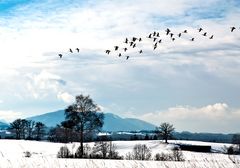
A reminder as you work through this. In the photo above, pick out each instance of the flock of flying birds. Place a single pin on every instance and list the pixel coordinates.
(131, 43)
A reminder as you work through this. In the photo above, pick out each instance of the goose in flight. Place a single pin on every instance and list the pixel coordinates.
(171, 34)
(108, 51)
(60, 55)
(185, 31)
(200, 29)
(134, 39)
(127, 57)
(150, 35)
(77, 49)
(205, 34)
(192, 39)
(211, 37)
(125, 49)
(70, 50)
(168, 31)
(140, 52)
(232, 29)
(126, 40)
(116, 48)
(119, 54)
(140, 39)
(179, 35)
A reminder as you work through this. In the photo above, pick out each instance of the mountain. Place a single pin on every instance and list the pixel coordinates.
(3, 125)
(112, 122)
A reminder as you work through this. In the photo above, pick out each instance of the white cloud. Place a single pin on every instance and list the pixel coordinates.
(211, 118)
(9, 115)
(66, 97)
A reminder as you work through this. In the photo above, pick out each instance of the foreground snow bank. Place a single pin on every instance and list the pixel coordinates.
(12, 154)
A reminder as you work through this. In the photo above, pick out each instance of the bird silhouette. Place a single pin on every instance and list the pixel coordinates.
(60, 55)
(77, 49)
(116, 48)
(173, 39)
(160, 41)
(205, 34)
(127, 57)
(200, 29)
(70, 50)
(192, 39)
(108, 51)
(125, 49)
(158, 35)
(140, 39)
(154, 39)
(134, 39)
(211, 37)
(171, 34)
(119, 54)
(179, 35)
(131, 43)
(134, 45)
(155, 46)
(232, 29)
(168, 31)
(140, 51)
(150, 35)
(185, 31)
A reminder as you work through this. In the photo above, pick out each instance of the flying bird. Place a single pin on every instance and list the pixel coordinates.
(119, 54)
(140, 51)
(205, 34)
(185, 31)
(233, 28)
(134, 39)
(168, 31)
(108, 51)
(126, 41)
(131, 43)
(154, 39)
(77, 49)
(70, 50)
(134, 45)
(140, 39)
(125, 49)
(192, 39)
(154, 33)
(171, 34)
(160, 41)
(150, 35)
(127, 57)
(60, 55)
(158, 34)
(116, 48)
(179, 35)
(211, 37)
(173, 39)
(200, 29)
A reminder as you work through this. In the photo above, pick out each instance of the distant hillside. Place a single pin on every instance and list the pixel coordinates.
(112, 122)
(3, 125)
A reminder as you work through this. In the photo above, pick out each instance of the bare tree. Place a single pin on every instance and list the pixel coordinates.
(165, 131)
(15, 126)
(83, 113)
(141, 152)
(30, 127)
(39, 130)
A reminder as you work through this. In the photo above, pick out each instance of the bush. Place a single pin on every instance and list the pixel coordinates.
(86, 152)
(64, 152)
(28, 154)
(163, 157)
(177, 155)
(140, 152)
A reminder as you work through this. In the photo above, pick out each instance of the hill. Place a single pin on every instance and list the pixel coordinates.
(112, 122)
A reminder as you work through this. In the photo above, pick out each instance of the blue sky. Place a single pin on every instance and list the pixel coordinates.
(194, 85)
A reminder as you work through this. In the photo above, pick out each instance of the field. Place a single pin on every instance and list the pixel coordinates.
(12, 154)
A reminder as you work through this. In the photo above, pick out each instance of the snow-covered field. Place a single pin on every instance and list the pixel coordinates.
(44, 156)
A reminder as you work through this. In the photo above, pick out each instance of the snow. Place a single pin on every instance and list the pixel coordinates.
(44, 155)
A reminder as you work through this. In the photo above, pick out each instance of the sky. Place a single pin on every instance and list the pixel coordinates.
(193, 85)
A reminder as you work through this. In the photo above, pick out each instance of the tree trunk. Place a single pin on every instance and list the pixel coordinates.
(81, 140)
